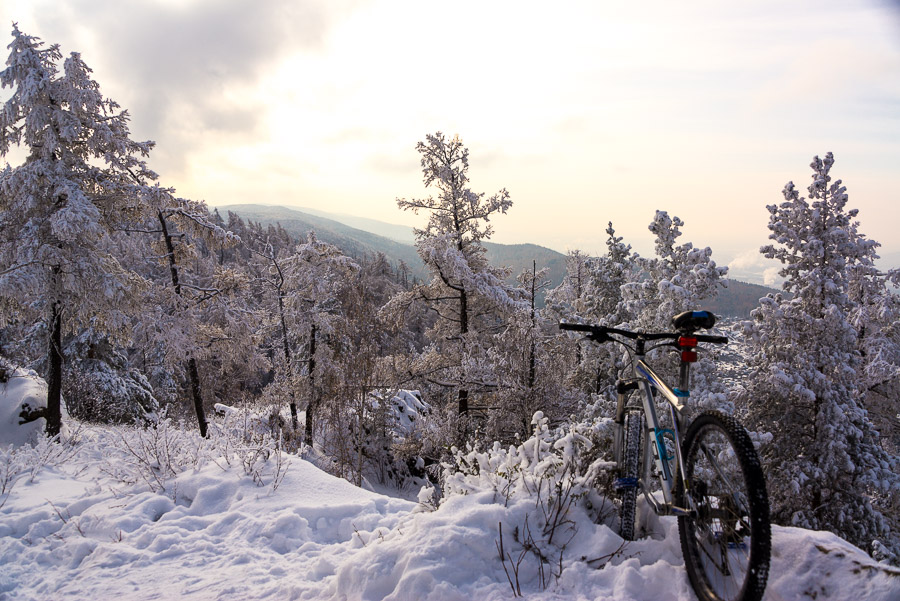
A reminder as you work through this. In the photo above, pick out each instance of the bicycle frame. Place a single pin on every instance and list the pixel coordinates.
(646, 381)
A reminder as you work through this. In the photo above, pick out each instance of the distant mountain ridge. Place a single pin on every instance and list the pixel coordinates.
(357, 242)
(355, 236)
(393, 231)
(353, 241)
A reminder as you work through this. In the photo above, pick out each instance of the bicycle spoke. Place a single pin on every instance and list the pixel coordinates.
(718, 543)
(715, 464)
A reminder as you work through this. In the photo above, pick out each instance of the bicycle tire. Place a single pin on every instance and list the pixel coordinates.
(727, 544)
(631, 459)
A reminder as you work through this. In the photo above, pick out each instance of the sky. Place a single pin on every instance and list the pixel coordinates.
(586, 112)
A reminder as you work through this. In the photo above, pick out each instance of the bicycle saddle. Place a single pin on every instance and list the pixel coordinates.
(691, 321)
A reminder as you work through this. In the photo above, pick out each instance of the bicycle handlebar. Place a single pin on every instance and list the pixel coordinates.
(601, 333)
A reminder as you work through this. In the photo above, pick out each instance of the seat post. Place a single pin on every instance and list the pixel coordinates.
(684, 378)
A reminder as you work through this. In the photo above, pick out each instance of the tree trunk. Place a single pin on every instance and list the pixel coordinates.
(193, 375)
(197, 396)
(313, 401)
(52, 413)
(170, 250)
(295, 421)
(531, 348)
(463, 395)
(360, 440)
(462, 398)
(54, 374)
(287, 358)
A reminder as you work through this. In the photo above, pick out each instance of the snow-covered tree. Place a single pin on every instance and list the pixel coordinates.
(680, 277)
(566, 299)
(606, 276)
(465, 291)
(592, 293)
(315, 274)
(272, 279)
(825, 467)
(567, 302)
(100, 385)
(528, 369)
(59, 208)
(196, 310)
(677, 279)
(876, 318)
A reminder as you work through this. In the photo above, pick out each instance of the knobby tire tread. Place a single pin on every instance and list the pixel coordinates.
(760, 527)
(634, 436)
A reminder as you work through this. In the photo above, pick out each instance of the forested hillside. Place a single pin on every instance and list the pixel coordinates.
(734, 299)
(354, 242)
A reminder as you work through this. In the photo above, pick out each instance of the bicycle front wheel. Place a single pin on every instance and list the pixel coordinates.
(726, 542)
(627, 484)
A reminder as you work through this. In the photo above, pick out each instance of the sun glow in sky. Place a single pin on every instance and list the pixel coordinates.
(587, 112)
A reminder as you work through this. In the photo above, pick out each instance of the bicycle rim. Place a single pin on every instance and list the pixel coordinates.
(727, 545)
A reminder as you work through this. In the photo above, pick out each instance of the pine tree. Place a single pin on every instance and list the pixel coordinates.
(465, 291)
(272, 279)
(315, 274)
(195, 311)
(606, 276)
(363, 421)
(59, 208)
(592, 293)
(825, 467)
(677, 279)
(519, 365)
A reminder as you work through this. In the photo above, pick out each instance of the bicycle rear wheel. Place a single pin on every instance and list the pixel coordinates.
(627, 484)
(727, 543)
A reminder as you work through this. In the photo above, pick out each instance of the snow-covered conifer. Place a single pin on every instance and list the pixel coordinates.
(314, 276)
(59, 208)
(825, 467)
(528, 374)
(196, 310)
(677, 279)
(592, 293)
(465, 291)
(565, 300)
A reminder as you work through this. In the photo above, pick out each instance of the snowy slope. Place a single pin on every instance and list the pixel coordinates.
(81, 523)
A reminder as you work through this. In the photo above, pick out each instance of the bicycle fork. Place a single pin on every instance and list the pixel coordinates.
(654, 443)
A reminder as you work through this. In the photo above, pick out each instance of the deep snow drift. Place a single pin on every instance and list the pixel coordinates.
(159, 513)
(94, 521)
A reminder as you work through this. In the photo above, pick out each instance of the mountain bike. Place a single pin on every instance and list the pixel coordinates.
(706, 472)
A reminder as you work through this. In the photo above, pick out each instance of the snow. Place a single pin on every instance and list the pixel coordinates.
(159, 513)
(75, 533)
(20, 389)
(72, 528)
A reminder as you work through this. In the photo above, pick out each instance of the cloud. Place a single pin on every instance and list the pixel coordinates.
(770, 276)
(186, 71)
(748, 259)
(751, 266)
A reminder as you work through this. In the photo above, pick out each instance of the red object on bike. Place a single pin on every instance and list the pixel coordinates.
(689, 356)
(686, 342)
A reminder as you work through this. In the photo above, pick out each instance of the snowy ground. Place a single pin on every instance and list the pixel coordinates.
(74, 526)
(137, 514)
